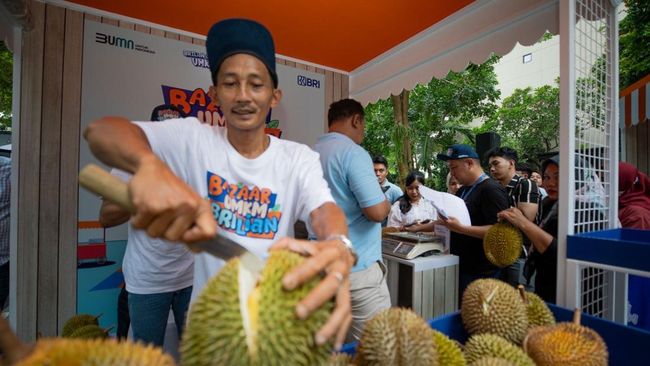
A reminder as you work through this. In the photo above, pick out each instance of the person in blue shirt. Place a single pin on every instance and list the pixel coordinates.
(348, 171)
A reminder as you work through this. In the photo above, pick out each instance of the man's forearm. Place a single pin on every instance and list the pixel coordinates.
(475, 231)
(327, 220)
(118, 143)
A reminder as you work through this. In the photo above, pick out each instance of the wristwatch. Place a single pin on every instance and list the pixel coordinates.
(346, 241)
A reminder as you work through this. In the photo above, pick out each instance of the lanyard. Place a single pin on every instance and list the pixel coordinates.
(471, 189)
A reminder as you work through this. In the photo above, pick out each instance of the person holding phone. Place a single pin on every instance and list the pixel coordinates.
(412, 212)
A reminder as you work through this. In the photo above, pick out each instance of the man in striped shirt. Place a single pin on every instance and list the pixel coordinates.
(522, 194)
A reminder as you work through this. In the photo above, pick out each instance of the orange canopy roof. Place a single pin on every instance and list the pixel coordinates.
(335, 33)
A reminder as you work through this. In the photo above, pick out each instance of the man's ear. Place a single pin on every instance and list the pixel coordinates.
(277, 96)
(357, 121)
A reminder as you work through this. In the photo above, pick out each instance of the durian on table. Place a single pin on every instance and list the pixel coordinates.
(566, 343)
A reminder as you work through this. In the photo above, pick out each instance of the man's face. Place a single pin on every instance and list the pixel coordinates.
(460, 169)
(551, 180)
(537, 178)
(381, 172)
(244, 91)
(500, 168)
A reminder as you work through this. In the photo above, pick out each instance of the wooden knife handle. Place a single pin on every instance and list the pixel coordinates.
(110, 187)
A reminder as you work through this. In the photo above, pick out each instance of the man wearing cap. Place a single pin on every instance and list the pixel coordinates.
(256, 185)
(484, 198)
(347, 169)
(522, 193)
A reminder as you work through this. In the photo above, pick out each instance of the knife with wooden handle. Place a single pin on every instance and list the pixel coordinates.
(112, 188)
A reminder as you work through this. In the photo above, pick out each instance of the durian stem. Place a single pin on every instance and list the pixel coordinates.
(576, 316)
(12, 347)
(522, 293)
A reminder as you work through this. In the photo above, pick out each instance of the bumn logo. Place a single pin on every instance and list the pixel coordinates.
(114, 41)
(305, 81)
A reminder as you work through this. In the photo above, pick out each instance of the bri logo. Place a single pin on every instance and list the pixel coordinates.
(199, 59)
(309, 82)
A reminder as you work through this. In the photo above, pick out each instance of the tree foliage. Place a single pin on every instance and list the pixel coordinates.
(6, 70)
(439, 114)
(634, 38)
(528, 121)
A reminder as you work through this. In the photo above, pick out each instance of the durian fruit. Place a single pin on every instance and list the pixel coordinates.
(491, 345)
(449, 352)
(95, 352)
(493, 306)
(492, 361)
(77, 352)
(340, 359)
(77, 322)
(566, 344)
(397, 337)
(502, 244)
(89, 331)
(538, 312)
(246, 318)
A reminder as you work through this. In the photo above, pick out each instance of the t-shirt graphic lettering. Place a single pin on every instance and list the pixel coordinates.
(246, 211)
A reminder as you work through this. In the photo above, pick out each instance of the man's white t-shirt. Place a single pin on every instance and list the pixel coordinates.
(153, 266)
(255, 201)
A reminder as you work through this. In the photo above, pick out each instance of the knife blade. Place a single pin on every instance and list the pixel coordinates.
(101, 182)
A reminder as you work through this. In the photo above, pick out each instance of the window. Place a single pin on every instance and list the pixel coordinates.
(527, 58)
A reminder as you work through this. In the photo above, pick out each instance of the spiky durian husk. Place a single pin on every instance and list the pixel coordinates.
(94, 352)
(397, 337)
(566, 344)
(492, 361)
(340, 359)
(491, 345)
(493, 306)
(538, 312)
(215, 334)
(502, 244)
(449, 352)
(77, 322)
(89, 331)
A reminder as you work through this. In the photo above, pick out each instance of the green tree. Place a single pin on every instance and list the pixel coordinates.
(6, 82)
(439, 114)
(528, 121)
(634, 38)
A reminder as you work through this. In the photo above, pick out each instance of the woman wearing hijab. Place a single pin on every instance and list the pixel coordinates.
(634, 212)
(634, 197)
(412, 212)
(543, 235)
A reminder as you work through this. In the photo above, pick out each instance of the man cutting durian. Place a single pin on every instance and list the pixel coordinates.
(256, 185)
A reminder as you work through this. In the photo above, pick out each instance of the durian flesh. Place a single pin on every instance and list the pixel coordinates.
(247, 318)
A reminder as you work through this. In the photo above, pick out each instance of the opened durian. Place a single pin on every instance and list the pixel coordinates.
(449, 352)
(536, 309)
(493, 306)
(397, 337)
(77, 322)
(491, 345)
(246, 318)
(566, 344)
(502, 244)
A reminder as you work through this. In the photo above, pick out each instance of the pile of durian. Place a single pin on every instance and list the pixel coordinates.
(247, 318)
(507, 326)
